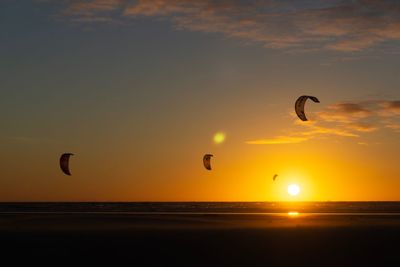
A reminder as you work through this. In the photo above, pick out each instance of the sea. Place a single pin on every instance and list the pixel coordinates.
(201, 233)
(329, 208)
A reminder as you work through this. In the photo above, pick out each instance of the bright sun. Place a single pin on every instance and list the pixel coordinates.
(293, 189)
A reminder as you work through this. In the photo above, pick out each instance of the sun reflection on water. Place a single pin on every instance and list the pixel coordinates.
(293, 214)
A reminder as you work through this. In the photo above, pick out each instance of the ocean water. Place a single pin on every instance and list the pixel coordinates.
(203, 233)
(330, 208)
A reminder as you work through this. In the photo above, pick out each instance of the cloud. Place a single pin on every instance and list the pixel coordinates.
(314, 131)
(345, 112)
(346, 26)
(278, 140)
(344, 119)
(362, 127)
(394, 126)
(320, 130)
(390, 108)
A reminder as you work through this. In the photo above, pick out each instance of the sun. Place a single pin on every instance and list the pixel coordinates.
(293, 189)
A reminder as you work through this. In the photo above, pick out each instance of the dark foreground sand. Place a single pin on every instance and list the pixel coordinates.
(200, 239)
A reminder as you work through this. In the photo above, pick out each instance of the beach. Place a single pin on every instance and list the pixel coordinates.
(202, 239)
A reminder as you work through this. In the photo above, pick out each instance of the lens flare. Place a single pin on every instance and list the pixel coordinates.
(219, 138)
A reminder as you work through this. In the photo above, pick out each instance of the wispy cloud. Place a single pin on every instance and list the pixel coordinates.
(338, 25)
(344, 119)
(390, 108)
(345, 112)
(278, 140)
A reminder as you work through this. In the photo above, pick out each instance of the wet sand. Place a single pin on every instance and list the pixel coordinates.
(190, 239)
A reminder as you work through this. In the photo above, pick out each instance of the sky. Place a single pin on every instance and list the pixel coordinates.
(137, 90)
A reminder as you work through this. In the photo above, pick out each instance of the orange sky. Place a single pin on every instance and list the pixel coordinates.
(137, 92)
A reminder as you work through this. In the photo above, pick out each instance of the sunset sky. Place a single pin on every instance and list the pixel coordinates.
(138, 89)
